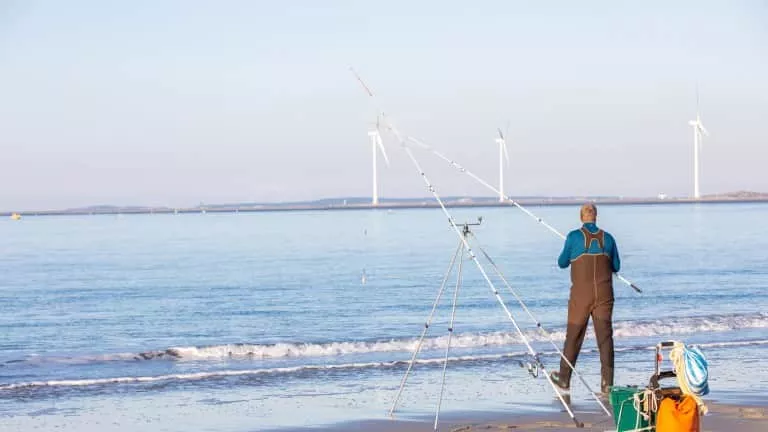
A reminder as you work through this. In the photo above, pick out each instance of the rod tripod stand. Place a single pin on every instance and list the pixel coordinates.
(532, 363)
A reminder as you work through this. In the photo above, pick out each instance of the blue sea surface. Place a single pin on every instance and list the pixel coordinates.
(251, 321)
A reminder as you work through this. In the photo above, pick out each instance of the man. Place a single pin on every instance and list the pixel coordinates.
(593, 257)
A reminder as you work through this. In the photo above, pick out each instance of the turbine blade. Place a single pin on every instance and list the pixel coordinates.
(381, 147)
(501, 135)
(703, 129)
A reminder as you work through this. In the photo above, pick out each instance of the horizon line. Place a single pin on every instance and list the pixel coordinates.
(358, 202)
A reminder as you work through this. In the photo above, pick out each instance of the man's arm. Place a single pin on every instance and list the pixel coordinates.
(615, 261)
(564, 260)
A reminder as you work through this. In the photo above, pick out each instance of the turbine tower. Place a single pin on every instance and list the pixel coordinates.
(503, 154)
(698, 129)
(376, 144)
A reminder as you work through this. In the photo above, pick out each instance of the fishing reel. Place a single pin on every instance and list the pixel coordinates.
(532, 364)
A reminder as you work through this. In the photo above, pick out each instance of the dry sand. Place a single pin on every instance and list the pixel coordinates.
(721, 417)
(729, 418)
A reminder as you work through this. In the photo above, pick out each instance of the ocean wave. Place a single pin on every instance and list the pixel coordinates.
(197, 376)
(520, 357)
(622, 330)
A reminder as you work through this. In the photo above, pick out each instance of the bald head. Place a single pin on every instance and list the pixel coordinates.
(588, 213)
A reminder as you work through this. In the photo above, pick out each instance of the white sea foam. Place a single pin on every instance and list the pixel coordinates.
(622, 331)
(247, 372)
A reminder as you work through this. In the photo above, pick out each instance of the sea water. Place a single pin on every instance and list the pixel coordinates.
(251, 321)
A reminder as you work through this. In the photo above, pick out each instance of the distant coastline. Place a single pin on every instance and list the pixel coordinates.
(356, 203)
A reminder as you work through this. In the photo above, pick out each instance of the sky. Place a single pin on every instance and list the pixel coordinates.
(181, 102)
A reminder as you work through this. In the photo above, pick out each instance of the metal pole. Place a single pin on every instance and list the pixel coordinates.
(426, 327)
(450, 335)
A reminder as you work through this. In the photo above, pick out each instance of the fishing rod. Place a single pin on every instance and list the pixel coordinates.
(471, 254)
(462, 169)
(473, 257)
(538, 324)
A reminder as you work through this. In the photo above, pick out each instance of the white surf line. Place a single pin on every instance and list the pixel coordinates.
(196, 376)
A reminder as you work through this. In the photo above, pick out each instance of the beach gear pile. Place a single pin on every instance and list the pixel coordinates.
(669, 408)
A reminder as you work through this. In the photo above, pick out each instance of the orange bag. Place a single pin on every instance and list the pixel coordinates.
(674, 416)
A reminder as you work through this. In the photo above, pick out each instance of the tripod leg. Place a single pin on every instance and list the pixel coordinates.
(450, 334)
(426, 326)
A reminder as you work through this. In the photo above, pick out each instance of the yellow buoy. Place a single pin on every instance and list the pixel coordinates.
(15, 216)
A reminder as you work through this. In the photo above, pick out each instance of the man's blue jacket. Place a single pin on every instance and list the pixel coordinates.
(574, 247)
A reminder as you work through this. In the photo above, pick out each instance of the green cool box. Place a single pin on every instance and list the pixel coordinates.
(624, 414)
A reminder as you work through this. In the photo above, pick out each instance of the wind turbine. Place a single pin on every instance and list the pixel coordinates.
(698, 129)
(503, 154)
(375, 137)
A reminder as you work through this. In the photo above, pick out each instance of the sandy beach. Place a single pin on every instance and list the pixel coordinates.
(721, 417)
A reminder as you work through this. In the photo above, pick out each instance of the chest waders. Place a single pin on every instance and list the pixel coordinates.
(591, 295)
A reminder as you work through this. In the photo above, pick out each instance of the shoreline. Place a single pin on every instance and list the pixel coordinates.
(393, 205)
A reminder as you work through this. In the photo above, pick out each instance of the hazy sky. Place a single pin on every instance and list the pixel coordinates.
(178, 102)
